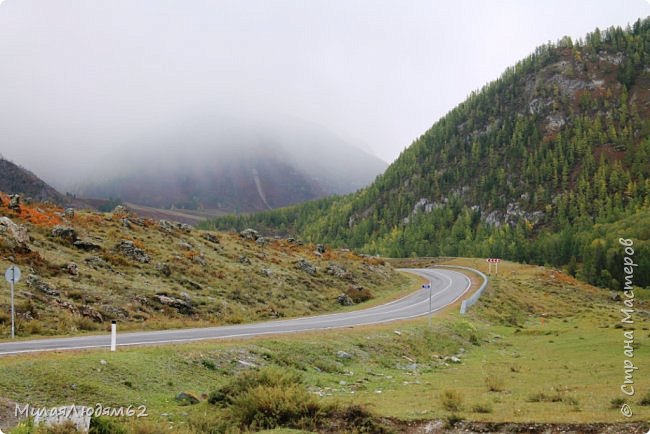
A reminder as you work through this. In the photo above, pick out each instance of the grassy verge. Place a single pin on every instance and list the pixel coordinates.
(538, 347)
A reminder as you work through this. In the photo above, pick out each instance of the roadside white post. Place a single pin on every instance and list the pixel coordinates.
(430, 308)
(113, 335)
(12, 275)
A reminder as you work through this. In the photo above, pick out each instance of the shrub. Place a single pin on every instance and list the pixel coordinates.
(645, 401)
(268, 407)
(102, 425)
(359, 294)
(250, 379)
(451, 399)
(494, 383)
(617, 402)
(482, 408)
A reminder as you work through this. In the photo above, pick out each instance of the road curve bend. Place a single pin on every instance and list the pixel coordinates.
(447, 286)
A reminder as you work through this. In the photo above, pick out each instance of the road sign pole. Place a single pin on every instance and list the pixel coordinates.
(496, 268)
(13, 313)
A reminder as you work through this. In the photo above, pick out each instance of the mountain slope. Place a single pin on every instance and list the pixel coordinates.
(17, 180)
(523, 169)
(228, 164)
(81, 271)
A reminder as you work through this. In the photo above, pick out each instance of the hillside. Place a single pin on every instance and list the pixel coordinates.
(534, 167)
(17, 180)
(81, 271)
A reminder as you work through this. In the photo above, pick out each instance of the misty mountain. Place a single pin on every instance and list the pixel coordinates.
(17, 180)
(547, 164)
(232, 164)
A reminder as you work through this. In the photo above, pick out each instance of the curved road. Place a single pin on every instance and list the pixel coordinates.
(447, 287)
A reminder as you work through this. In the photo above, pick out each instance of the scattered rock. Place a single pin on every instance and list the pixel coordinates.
(320, 248)
(187, 398)
(103, 362)
(73, 269)
(165, 225)
(86, 245)
(69, 213)
(126, 223)
(121, 210)
(18, 233)
(36, 282)
(114, 312)
(176, 303)
(266, 272)
(128, 249)
(164, 269)
(14, 202)
(453, 359)
(344, 300)
(96, 262)
(65, 233)
(261, 241)
(210, 237)
(185, 245)
(244, 260)
(246, 365)
(338, 271)
(91, 313)
(306, 266)
(78, 415)
(249, 234)
(343, 355)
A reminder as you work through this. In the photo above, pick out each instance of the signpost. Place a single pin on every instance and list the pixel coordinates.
(12, 275)
(428, 286)
(494, 261)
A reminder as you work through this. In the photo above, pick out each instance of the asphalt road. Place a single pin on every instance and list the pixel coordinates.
(446, 287)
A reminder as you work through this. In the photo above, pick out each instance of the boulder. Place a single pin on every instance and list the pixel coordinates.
(344, 300)
(65, 233)
(306, 266)
(336, 270)
(17, 233)
(73, 269)
(249, 234)
(185, 245)
(128, 249)
(36, 282)
(14, 202)
(79, 416)
(164, 269)
(186, 398)
(69, 213)
(343, 355)
(210, 237)
(86, 245)
(176, 303)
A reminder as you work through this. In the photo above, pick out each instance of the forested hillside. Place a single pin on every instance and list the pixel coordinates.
(547, 164)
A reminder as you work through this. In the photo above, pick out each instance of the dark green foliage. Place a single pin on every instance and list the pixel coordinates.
(103, 425)
(497, 176)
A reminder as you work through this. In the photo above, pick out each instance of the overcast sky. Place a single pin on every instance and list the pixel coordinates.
(80, 78)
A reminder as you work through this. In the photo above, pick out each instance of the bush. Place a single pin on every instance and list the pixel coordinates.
(268, 407)
(102, 425)
(272, 377)
(645, 401)
(617, 402)
(494, 383)
(482, 408)
(451, 400)
(359, 294)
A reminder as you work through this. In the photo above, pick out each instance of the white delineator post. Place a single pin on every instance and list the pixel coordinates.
(113, 335)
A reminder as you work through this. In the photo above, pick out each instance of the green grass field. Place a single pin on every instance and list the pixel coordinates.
(538, 347)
